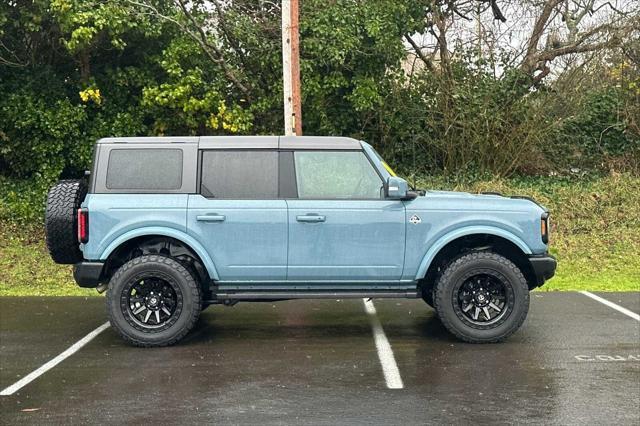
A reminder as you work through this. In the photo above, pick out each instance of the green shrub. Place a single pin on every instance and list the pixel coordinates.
(22, 201)
(35, 143)
(596, 134)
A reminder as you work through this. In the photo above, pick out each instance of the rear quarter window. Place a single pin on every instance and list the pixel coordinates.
(145, 169)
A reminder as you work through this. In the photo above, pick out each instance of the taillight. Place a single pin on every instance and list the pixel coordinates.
(83, 225)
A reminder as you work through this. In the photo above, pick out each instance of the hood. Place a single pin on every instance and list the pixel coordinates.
(454, 200)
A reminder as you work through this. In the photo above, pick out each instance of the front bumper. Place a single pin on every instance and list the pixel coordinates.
(88, 273)
(544, 267)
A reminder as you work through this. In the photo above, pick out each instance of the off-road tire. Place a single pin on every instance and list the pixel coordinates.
(427, 296)
(61, 216)
(481, 262)
(185, 281)
(204, 291)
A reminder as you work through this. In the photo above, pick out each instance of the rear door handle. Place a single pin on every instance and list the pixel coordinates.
(210, 218)
(312, 218)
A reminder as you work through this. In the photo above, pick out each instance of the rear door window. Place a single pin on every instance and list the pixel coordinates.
(240, 174)
(336, 175)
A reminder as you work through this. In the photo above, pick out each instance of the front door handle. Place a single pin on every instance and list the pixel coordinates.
(312, 218)
(210, 218)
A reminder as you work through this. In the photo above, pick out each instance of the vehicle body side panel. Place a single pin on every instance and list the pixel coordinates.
(166, 232)
(249, 243)
(358, 240)
(117, 218)
(462, 232)
(445, 217)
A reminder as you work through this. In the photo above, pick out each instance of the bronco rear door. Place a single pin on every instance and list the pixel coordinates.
(237, 214)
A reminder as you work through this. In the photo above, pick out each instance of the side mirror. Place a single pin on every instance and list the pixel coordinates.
(398, 189)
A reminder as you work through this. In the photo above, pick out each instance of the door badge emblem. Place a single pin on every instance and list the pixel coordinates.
(415, 219)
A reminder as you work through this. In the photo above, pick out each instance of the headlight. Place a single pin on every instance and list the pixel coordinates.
(544, 227)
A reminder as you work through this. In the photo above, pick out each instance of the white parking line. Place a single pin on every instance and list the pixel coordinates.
(612, 305)
(385, 353)
(55, 361)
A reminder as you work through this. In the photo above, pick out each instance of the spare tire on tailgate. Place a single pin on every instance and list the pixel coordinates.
(63, 202)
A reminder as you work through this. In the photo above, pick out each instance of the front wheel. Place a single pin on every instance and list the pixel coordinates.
(482, 297)
(153, 300)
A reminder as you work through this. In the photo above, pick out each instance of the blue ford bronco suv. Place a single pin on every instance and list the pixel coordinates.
(170, 225)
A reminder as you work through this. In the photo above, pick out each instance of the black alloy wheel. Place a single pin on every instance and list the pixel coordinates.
(483, 299)
(152, 301)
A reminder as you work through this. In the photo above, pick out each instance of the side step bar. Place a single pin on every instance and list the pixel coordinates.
(267, 295)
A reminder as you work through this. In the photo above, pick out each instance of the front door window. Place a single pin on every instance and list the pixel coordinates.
(336, 175)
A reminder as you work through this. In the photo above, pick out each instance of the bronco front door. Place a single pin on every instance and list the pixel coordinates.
(341, 228)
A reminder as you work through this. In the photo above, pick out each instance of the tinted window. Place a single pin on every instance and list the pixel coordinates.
(336, 174)
(240, 174)
(146, 169)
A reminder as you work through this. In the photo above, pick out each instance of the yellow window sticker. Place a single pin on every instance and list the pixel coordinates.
(389, 169)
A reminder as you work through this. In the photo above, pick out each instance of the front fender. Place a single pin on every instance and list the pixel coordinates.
(167, 232)
(462, 232)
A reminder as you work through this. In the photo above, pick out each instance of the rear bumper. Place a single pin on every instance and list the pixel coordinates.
(544, 267)
(88, 273)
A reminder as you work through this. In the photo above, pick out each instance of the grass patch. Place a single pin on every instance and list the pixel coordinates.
(595, 235)
(26, 269)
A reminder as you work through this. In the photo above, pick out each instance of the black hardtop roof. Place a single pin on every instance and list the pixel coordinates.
(255, 142)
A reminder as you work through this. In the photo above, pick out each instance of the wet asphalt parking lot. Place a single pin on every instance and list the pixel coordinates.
(576, 360)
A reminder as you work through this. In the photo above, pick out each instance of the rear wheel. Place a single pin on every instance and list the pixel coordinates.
(482, 297)
(153, 300)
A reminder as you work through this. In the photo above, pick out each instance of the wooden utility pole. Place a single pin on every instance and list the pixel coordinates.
(291, 68)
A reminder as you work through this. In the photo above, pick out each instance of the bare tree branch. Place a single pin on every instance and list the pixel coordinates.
(497, 13)
(217, 54)
(543, 73)
(16, 62)
(606, 35)
(550, 55)
(212, 51)
(233, 42)
(427, 61)
(530, 59)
